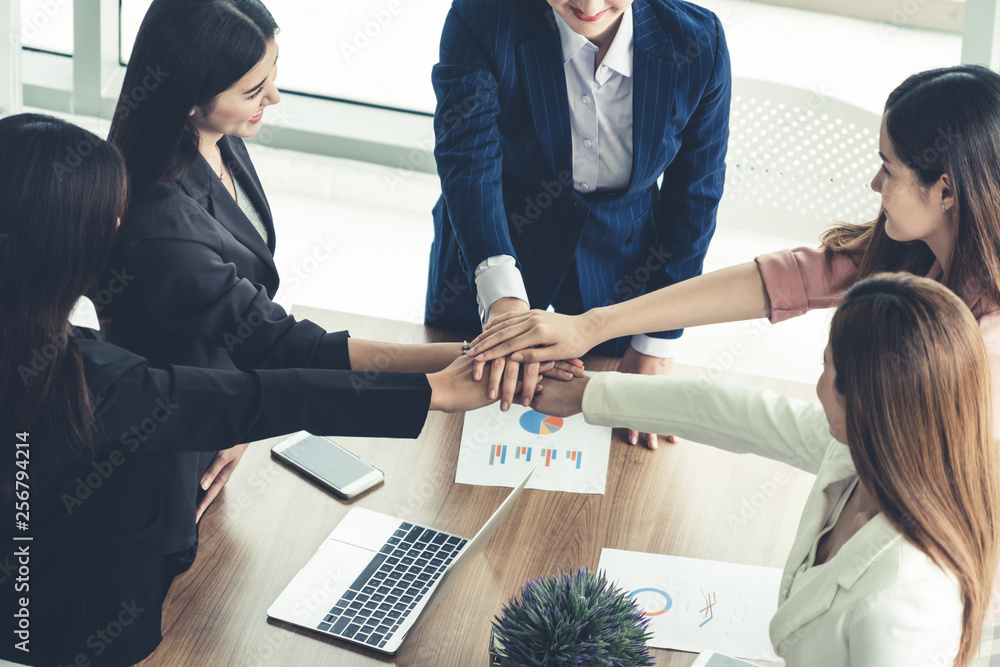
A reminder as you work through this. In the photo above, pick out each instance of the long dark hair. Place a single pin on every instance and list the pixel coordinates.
(185, 54)
(61, 191)
(942, 121)
(912, 366)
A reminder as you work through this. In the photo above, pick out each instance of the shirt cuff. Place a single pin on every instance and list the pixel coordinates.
(496, 278)
(655, 347)
(84, 314)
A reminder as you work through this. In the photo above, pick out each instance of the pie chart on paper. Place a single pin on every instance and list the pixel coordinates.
(537, 423)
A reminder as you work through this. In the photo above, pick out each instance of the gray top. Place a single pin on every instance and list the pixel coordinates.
(249, 211)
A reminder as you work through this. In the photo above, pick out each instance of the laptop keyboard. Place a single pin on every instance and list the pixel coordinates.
(394, 582)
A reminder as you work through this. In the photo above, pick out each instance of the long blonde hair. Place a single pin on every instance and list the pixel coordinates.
(912, 366)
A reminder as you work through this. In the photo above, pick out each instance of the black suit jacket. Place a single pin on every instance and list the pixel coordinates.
(96, 560)
(194, 286)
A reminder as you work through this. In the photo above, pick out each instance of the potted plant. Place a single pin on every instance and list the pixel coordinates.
(570, 619)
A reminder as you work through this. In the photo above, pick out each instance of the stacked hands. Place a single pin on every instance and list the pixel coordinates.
(523, 347)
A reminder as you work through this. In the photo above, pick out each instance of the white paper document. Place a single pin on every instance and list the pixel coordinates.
(498, 448)
(698, 605)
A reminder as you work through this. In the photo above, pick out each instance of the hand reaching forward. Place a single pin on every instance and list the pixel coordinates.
(634, 361)
(536, 335)
(455, 389)
(562, 399)
(505, 372)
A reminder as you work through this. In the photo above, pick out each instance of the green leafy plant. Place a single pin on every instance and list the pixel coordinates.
(572, 619)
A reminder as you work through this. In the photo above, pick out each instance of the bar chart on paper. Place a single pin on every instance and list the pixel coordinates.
(498, 447)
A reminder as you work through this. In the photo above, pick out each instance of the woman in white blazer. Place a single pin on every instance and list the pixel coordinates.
(897, 546)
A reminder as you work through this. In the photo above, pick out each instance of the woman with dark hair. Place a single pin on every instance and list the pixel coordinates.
(898, 542)
(197, 239)
(81, 483)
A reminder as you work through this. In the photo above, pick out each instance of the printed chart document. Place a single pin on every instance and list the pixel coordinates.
(696, 605)
(498, 448)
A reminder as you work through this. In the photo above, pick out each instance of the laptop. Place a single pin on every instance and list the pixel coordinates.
(376, 575)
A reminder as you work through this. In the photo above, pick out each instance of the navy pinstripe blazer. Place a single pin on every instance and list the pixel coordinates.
(504, 155)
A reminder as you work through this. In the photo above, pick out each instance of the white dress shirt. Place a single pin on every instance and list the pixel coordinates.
(600, 109)
(879, 600)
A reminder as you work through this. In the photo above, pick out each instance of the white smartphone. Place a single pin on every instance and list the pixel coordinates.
(327, 463)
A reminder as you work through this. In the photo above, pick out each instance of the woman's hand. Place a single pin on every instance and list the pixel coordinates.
(536, 336)
(634, 361)
(217, 474)
(562, 399)
(565, 370)
(456, 390)
(504, 372)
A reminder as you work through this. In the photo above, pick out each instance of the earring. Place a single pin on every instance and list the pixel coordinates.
(944, 208)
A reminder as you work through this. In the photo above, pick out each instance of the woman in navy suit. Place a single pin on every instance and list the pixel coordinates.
(88, 427)
(581, 146)
(195, 248)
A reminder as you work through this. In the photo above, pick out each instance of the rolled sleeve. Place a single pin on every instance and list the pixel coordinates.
(803, 279)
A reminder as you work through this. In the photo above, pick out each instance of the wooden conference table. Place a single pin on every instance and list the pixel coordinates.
(685, 500)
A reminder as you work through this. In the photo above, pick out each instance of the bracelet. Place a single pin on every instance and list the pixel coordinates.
(466, 347)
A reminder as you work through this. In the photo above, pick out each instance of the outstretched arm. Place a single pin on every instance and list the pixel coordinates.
(728, 295)
(374, 356)
(721, 414)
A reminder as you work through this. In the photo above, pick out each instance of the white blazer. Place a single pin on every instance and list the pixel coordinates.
(878, 602)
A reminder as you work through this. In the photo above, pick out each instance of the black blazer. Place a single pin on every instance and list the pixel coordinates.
(96, 560)
(198, 283)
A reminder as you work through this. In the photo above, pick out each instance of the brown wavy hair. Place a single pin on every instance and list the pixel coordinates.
(912, 366)
(942, 121)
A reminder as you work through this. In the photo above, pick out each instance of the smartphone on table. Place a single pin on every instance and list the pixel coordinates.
(327, 463)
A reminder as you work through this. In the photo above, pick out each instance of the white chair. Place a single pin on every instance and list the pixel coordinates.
(798, 161)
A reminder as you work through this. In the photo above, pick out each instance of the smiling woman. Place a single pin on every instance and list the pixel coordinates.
(238, 110)
(198, 236)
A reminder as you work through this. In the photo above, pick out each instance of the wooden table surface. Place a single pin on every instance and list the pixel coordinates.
(685, 500)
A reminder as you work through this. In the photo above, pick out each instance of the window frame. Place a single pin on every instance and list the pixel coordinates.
(88, 83)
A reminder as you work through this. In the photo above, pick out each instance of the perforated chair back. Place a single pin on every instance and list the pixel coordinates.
(798, 161)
